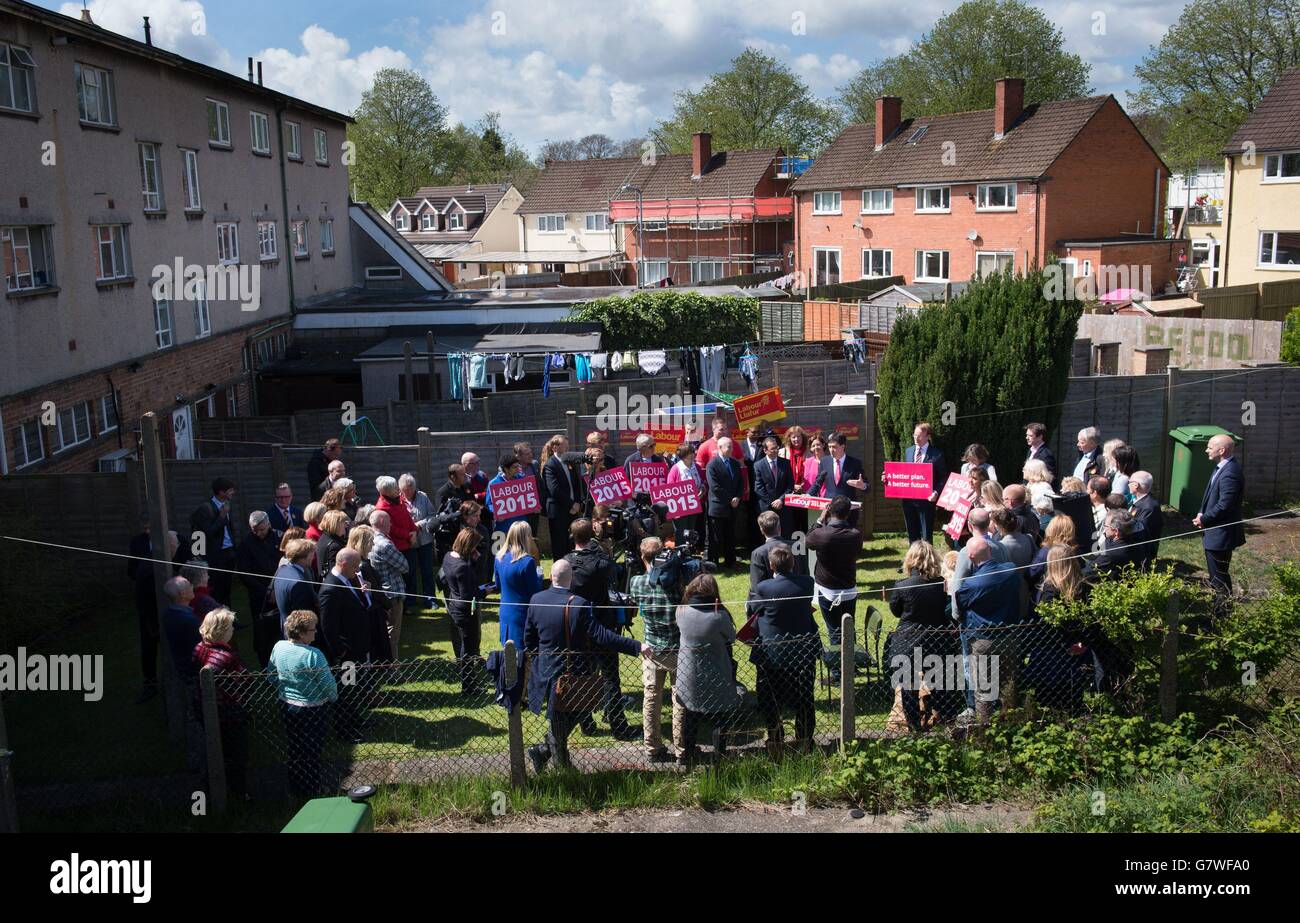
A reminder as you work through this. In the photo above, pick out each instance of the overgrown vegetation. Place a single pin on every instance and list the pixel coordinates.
(664, 318)
(1291, 337)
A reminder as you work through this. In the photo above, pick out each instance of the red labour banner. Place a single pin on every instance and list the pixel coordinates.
(515, 498)
(809, 502)
(760, 407)
(960, 511)
(645, 475)
(909, 480)
(609, 486)
(957, 489)
(679, 497)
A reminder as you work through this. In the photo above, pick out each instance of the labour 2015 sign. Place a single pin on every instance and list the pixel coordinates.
(515, 498)
(609, 486)
(645, 475)
(679, 497)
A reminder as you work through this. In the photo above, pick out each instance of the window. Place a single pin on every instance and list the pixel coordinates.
(232, 401)
(1280, 168)
(1087, 268)
(550, 224)
(655, 271)
(1000, 197)
(427, 222)
(227, 243)
(327, 235)
(597, 222)
(74, 426)
(293, 140)
(877, 201)
(218, 123)
(654, 226)
(705, 225)
(1069, 267)
(16, 78)
(322, 146)
(162, 323)
(826, 203)
(383, 273)
(28, 263)
(918, 134)
(28, 446)
(400, 221)
(456, 221)
(932, 265)
(150, 177)
(114, 256)
(261, 132)
(877, 263)
(932, 199)
(268, 248)
(298, 231)
(193, 201)
(107, 413)
(95, 95)
(202, 320)
(707, 270)
(826, 263)
(988, 264)
(1280, 248)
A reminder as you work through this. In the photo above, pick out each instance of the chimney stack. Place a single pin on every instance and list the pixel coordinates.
(889, 112)
(1008, 104)
(148, 35)
(85, 16)
(259, 73)
(701, 153)
(250, 70)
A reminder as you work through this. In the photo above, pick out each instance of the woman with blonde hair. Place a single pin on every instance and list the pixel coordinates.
(333, 535)
(307, 690)
(1063, 578)
(520, 578)
(234, 691)
(1038, 479)
(312, 515)
(460, 575)
(991, 496)
(920, 604)
(1060, 533)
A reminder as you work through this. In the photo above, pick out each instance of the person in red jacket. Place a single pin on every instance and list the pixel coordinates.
(403, 529)
(235, 687)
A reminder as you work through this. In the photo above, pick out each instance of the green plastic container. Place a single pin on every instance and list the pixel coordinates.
(332, 815)
(1190, 469)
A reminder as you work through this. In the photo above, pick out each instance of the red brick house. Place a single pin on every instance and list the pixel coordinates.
(940, 198)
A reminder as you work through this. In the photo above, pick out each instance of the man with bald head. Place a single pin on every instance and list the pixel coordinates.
(1015, 497)
(344, 634)
(988, 601)
(1220, 514)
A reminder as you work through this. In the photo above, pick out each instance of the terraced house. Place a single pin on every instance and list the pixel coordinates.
(122, 164)
(456, 227)
(942, 198)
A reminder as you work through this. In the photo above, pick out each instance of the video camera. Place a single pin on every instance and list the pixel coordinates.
(674, 568)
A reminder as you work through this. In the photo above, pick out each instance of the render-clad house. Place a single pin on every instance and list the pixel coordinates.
(1262, 168)
(121, 163)
(1195, 212)
(451, 225)
(941, 198)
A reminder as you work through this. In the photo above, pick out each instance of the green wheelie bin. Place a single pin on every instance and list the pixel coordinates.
(1190, 469)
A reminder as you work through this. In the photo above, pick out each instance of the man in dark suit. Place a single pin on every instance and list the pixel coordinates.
(769, 524)
(1016, 499)
(1220, 514)
(318, 466)
(146, 603)
(213, 519)
(1120, 551)
(840, 473)
(546, 636)
(283, 514)
(1036, 438)
(1149, 521)
(773, 478)
(293, 585)
(785, 654)
(258, 558)
(1090, 463)
(726, 487)
(645, 452)
(344, 633)
(919, 514)
(561, 488)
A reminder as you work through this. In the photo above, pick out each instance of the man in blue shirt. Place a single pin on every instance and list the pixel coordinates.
(988, 604)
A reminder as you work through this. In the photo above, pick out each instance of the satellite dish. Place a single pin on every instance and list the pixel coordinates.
(972, 235)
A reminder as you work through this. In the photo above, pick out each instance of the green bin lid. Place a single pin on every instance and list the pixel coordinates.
(1200, 432)
(328, 815)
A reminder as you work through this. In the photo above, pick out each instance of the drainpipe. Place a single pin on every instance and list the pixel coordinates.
(284, 201)
(1227, 219)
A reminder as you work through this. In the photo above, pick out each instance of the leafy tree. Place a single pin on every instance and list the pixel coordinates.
(1211, 70)
(590, 147)
(758, 102)
(401, 140)
(953, 67)
(1291, 337)
(485, 153)
(664, 318)
(999, 352)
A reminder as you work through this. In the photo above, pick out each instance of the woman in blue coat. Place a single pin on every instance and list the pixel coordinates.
(520, 577)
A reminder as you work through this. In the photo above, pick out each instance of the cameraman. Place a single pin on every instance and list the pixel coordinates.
(446, 501)
(593, 573)
(657, 608)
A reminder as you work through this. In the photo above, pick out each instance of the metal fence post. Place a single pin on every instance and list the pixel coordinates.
(848, 640)
(8, 803)
(156, 492)
(1169, 662)
(516, 719)
(212, 737)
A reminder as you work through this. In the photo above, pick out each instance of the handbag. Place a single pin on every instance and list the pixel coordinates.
(575, 692)
(748, 633)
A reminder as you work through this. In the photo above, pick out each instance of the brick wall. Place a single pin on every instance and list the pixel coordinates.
(680, 244)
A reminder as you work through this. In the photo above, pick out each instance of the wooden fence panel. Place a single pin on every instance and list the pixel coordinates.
(242, 437)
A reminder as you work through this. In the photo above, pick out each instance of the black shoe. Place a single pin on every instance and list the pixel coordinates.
(539, 758)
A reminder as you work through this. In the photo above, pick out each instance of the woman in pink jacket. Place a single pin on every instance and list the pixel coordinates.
(817, 451)
(686, 470)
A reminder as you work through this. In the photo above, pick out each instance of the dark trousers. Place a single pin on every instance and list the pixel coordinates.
(691, 721)
(790, 688)
(919, 516)
(1216, 565)
(350, 710)
(466, 635)
(684, 523)
(832, 614)
(305, 730)
(612, 694)
(722, 539)
(561, 543)
(148, 645)
(221, 563)
(556, 744)
(420, 558)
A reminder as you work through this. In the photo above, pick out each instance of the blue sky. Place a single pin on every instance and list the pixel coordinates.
(564, 68)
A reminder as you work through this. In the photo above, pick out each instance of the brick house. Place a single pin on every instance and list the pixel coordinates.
(449, 225)
(941, 198)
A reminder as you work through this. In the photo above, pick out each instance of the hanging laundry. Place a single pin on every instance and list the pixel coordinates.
(855, 352)
(690, 363)
(582, 363)
(600, 360)
(652, 361)
(629, 359)
(616, 361)
(712, 362)
(453, 375)
(749, 370)
(467, 396)
(478, 375)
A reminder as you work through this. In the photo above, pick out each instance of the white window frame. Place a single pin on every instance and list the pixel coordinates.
(997, 259)
(327, 235)
(945, 261)
(27, 70)
(202, 316)
(428, 222)
(655, 271)
(839, 266)
(259, 129)
(78, 415)
(868, 253)
(268, 244)
(298, 238)
(227, 243)
(550, 224)
(164, 324)
(190, 180)
(322, 146)
(151, 187)
(293, 145)
(107, 406)
(102, 84)
(116, 238)
(456, 220)
(221, 123)
(1072, 263)
(1273, 165)
(23, 448)
(654, 225)
(829, 202)
(1087, 268)
(718, 270)
(1259, 251)
(400, 222)
(945, 195)
(597, 222)
(983, 191)
(867, 208)
(232, 400)
(10, 248)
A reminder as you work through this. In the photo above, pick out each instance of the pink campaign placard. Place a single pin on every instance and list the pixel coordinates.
(679, 497)
(909, 480)
(645, 475)
(809, 502)
(515, 498)
(609, 486)
(960, 511)
(957, 489)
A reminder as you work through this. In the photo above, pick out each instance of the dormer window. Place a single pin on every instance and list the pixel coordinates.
(428, 222)
(399, 221)
(456, 221)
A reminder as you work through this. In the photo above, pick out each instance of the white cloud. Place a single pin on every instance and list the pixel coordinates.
(324, 72)
(179, 26)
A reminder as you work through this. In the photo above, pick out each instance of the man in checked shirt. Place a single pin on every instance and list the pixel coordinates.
(390, 566)
(658, 614)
